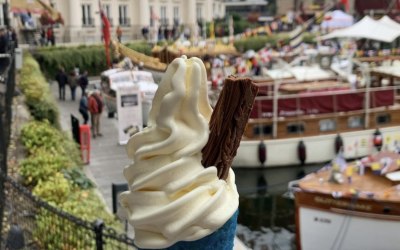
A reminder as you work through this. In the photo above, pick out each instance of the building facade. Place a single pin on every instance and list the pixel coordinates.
(160, 18)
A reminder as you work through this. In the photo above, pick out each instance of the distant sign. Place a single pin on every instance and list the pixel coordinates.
(129, 108)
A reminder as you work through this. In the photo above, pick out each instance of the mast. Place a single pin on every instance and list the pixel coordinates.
(277, 83)
(367, 95)
(366, 75)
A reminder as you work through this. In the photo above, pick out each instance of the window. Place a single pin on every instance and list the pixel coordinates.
(295, 128)
(123, 19)
(327, 125)
(163, 15)
(176, 16)
(355, 122)
(265, 129)
(152, 16)
(87, 19)
(199, 11)
(383, 119)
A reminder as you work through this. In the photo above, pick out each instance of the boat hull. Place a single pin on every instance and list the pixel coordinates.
(319, 149)
(324, 222)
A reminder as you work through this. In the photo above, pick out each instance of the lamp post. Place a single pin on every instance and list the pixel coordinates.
(5, 14)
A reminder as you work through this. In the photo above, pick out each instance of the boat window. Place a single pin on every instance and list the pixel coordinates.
(355, 122)
(383, 118)
(266, 130)
(327, 125)
(294, 128)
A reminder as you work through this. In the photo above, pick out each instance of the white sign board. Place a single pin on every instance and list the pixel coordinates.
(129, 108)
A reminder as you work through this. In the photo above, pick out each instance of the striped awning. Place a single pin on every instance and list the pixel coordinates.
(23, 6)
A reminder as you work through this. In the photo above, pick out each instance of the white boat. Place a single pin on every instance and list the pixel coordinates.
(352, 206)
(296, 123)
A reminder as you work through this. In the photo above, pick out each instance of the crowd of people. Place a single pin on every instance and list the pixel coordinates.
(90, 103)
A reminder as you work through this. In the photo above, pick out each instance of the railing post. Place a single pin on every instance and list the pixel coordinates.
(98, 229)
(6, 95)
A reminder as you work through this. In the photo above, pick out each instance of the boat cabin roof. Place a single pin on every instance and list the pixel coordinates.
(372, 184)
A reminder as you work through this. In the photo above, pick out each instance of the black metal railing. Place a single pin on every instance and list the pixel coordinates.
(43, 226)
(7, 86)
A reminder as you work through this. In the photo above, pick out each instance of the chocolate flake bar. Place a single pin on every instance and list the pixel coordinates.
(228, 122)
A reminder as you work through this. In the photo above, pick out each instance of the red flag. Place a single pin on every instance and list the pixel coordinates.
(345, 4)
(106, 34)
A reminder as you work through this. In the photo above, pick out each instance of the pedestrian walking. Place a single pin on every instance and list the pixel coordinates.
(43, 39)
(83, 107)
(84, 81)
(95, 105)
(62, 80)
(119, 33)
(73, 83)
(50, 36)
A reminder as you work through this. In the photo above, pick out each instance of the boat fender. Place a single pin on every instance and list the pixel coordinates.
(378, 140)
(262, 152)
(301, 152)
(338, 143)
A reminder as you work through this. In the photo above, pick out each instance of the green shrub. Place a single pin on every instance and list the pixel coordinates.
(37, 134)
(42, 166)
(55, 189)
(258, 42)
(41, 135)
(87, 205)
(37, 92)
(91, 58)
(45, 110)
(54, 232)
(309, 38)
(78, 178)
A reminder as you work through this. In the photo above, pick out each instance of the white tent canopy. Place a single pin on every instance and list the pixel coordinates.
(367, 28)
(338, 19)
(389, 22)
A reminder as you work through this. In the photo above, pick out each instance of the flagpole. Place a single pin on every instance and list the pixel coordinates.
(106, 34)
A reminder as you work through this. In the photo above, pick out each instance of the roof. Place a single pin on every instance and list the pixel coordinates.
(389, 22)
(367, 28)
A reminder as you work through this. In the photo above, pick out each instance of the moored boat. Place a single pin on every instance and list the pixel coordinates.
(352, 205)
(297, 123)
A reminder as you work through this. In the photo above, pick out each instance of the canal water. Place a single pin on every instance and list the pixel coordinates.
(264, 207)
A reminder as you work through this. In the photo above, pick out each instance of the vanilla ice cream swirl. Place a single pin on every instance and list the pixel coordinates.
(171, 196)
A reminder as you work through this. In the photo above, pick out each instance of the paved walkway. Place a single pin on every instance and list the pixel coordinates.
(107, 157)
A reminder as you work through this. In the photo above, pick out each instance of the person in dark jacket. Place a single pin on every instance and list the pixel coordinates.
(62, 80)
(73, 83)
(84, 81)
(83, 108)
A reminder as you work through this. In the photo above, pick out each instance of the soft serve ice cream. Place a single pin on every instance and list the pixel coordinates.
(172, 197)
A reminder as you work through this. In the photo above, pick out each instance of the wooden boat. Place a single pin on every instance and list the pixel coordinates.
(298, 123)
(360, 212)
(150, 64)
